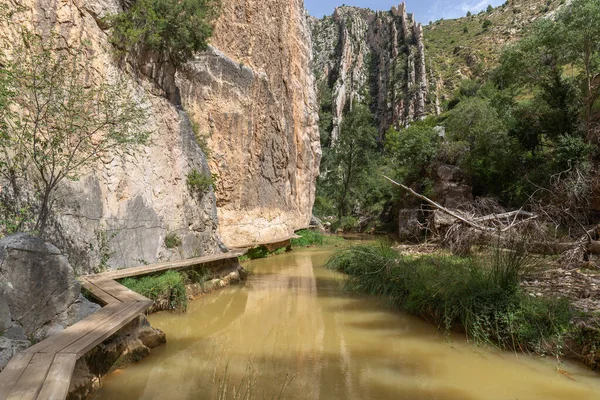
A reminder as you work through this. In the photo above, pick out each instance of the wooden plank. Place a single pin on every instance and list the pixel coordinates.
(58, 380)
(57, 342)
(149, 269)
(12, 372)
(265, 244)
(29, 384)
(117, 290)
(107, 329)
(104, 297)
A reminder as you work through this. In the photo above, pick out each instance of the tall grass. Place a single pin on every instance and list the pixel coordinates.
(167, 290)
(481, 296)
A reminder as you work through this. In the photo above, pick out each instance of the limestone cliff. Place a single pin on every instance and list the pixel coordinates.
(373, 57)
(252, 95)
(263, 142)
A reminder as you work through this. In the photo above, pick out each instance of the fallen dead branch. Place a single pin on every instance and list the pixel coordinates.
(500, 226)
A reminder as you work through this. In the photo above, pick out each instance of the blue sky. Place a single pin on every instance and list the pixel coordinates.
(425, 10)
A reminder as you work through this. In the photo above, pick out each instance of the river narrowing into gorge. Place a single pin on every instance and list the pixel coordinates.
(292, 329)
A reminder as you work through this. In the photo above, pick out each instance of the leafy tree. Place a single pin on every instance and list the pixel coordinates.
(348, 164)
(173, 29)
(579, 29)
(325, 114)
(489, 155)
(412, 150)
(540, 60)
(489, 8)
(57, 121)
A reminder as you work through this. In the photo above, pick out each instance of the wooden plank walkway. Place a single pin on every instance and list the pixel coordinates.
(271, 245)
(44, 370)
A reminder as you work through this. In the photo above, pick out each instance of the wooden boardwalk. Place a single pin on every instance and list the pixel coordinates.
(270, 245)
(44, 370)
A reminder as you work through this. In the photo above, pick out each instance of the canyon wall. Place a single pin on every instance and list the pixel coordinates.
(252, 95)
(260, 119)
(372, 57)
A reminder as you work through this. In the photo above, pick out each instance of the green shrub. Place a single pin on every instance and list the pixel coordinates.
(172, 240)
(199, 183)
(308, 237)
(166, 290)
(348, 223)
(173, 29)
(481, 296)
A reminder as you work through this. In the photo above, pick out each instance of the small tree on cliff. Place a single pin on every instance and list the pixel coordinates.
(172, 29)
(56, 121)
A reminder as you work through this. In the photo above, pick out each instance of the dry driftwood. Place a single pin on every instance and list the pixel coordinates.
(476, 222)
(503, 222)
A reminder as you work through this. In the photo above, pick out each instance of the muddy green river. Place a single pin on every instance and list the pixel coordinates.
(291, 332)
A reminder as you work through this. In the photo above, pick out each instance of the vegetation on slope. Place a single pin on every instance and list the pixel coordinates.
(470, 47)
(527, 135)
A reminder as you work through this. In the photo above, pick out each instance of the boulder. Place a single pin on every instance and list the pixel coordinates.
(10, 347)
(409, 224)
(39, 295)
(36, 281)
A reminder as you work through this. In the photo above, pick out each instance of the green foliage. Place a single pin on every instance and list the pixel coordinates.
(486, 24)
(172, 29)
(489, 154)
(308, 237)
(412, 151)
(172, 240)
(348, 167)
(571, 151)
(481, 296)
(199, 183)
(167, 290)
(262, 252)
(539, 60)
(325, 113)
(324, 206)
(14, 215)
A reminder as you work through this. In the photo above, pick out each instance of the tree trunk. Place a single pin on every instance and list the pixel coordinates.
(44, 213)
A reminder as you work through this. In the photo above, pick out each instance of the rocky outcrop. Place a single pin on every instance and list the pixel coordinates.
(253, 108)
(119, 213)
(252, 97)
(373, 57)
(39, 295)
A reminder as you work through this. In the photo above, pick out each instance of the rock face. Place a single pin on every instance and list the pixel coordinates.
(260, 123)
(252, 96)
(39, 294)
(373, 57)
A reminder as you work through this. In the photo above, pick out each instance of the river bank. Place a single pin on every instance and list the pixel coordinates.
(491, 298)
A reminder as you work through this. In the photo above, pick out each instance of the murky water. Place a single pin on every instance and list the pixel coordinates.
(292, 321)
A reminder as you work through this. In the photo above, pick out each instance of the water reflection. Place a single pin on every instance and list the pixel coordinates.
(292, 318)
